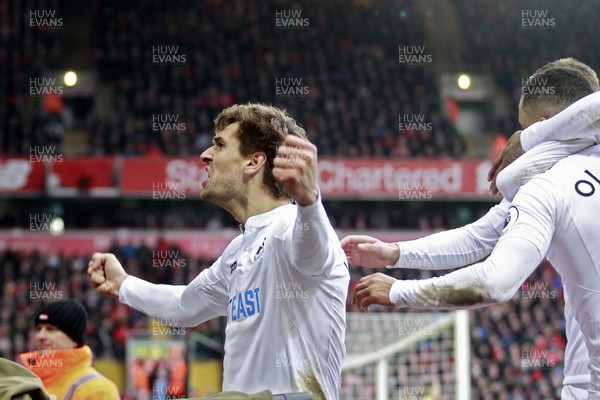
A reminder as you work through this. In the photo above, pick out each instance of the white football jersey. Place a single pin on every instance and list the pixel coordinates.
(559, 211)
(463, 246)
(283, 285)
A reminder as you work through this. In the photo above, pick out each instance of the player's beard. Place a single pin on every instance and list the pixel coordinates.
(221, 190)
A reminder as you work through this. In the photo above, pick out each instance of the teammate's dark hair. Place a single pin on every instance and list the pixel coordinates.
(262, 129)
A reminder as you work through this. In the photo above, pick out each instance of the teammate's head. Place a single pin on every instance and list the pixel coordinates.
(553, 88)
(246, 140)
(60, 325)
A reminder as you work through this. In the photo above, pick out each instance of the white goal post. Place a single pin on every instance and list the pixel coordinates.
(407, 356)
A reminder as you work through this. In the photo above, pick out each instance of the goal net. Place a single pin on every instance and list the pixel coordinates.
(407, 356)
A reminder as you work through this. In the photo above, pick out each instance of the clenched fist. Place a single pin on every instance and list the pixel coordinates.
(296, 167)
(373, 289)
(106, 274)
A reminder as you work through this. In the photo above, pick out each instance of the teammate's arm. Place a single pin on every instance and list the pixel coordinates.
(444, 250)
(578, 123)
(519, 251)
(536, 161)
(580, 120)
(203, 299)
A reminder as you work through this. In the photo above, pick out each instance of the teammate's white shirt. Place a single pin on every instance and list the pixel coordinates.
(556, 213)
(575, 128)
(282, 285)
(471, 243)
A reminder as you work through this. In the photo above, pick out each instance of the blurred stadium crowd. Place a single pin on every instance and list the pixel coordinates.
(356, 88)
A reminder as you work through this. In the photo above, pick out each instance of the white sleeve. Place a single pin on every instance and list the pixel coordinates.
(580, 120)
(525, 240)
(312, 244)
(457, 247)
(536, 161)
(206, 297)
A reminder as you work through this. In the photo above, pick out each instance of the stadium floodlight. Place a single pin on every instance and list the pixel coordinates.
(70, 78)
(57, 226)
(464, 81)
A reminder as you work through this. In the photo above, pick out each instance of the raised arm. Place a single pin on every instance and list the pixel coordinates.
(313, 245)
(536, 161)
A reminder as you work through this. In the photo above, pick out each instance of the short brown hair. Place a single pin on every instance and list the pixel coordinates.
(559, 84)
(262, 128)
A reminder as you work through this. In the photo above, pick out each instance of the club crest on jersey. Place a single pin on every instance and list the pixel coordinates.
(260, 250)
(511, 218)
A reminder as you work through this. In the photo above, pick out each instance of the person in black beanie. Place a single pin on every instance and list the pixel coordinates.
(61, 359)
(68, 317)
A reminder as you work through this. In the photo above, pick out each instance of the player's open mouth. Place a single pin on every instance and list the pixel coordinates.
(205, 182)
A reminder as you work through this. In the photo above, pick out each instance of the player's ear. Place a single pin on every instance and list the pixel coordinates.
(255, 163)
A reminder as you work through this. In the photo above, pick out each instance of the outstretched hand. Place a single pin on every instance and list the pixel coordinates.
(511, 152)
(369, 252)
(106, 274)
(296, 167)
(373, 289)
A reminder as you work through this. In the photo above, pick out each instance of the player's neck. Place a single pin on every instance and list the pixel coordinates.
(255, 203)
